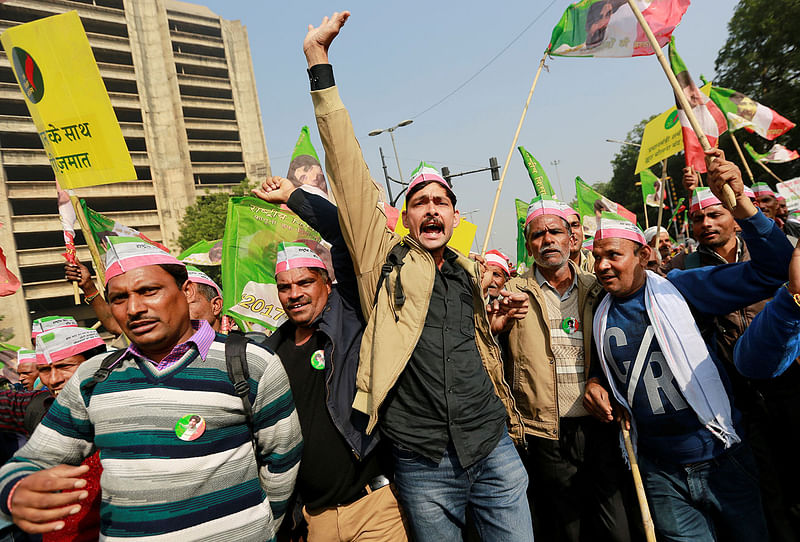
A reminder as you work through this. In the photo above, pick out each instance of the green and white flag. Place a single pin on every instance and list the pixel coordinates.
(778, 154)
(522, 252)
(253, 230)
(207, 253)
(541, 184)
(591, 204)
(608, 28)
(652, 191)
(744, 112)
(305, 170)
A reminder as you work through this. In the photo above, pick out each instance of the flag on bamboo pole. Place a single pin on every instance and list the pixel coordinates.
(66, 213)
(778, 154)
(652, 188)
(711, 119)
(541, 184)
(205, 253)
(522, 252)
(103, 227)
(305, 170)
(591, 204)
(744, 112)
(9, 283)
(55, 68)
(608, 28)
(253, 230)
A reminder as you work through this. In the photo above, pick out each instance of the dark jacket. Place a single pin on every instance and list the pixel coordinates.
(341, 322)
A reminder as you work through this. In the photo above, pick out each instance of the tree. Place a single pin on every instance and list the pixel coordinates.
(761, 58)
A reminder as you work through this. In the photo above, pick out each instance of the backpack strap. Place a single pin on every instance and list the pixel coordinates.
(239, 373)
(692, 261)
(393, 259)
(101, 374)
(36, 410)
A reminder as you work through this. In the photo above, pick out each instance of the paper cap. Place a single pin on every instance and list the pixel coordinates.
(749, 192)
(294, 255)
(544, 205)
(126, 253)
(198, 277)
(425, 172)
(614, 226)
(40, 325)
(26, 356)
(497, 259)
(702, 198)
(762, 189)
(569, 210)
(63, 342)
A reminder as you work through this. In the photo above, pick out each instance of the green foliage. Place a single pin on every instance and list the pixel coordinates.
(205, 221)
(761, 58)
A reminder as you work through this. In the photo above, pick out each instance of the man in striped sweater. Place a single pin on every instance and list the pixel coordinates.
(166, 475)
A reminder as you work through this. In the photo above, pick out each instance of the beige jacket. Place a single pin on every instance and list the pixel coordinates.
(530, 354)
(392, 333)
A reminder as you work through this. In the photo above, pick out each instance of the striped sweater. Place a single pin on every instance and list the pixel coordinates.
(156, 486)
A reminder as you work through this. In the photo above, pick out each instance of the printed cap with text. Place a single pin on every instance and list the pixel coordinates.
(197, 276)
(613, 226)
(64, 342)
(40, 325)
(424, 173)
(763, 189)
(702, 198)
(545, 205)
(126, 253)
(296, 255)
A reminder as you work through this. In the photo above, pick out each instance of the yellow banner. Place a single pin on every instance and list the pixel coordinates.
(462, 238)
(662, 137)
(58, 75)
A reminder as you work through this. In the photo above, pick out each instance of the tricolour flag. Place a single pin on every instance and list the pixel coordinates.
(103, 227)
(541, 184)
(744, 112)
(608, 28)
(778, 154)
(253, 231)
(711, 119)
(652, 188)
(591, 204)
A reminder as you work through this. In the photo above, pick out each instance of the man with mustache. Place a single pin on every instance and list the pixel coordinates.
(580, 256)
(132, 410)
(714, 227)
(341, 483)
(571, 456)
(663, 373)
(496, 273)
(430, 375)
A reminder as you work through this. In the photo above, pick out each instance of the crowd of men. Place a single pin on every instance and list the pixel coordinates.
(425, 395)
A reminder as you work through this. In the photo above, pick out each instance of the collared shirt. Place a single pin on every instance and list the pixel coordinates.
(541, 281)
(203, 337)
(444, 394)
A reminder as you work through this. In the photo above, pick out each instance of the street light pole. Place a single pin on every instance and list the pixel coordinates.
(394, 146)
(558, 176)
(396, 157)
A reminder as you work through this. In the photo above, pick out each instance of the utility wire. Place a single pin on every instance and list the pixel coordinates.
(495, 57)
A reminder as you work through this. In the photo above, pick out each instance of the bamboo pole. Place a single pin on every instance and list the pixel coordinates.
(728, 197)
(647, 520)
(510, 153)
(741, 156)
(762, 164)
(660, 208)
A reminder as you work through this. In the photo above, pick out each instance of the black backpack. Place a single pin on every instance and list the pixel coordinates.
(238, 372)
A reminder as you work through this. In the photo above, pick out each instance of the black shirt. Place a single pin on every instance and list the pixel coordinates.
(444, 393)
(329, 472)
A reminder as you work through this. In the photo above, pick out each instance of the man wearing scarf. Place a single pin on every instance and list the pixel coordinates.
(699, 475)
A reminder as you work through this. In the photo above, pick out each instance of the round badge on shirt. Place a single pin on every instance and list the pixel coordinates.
(570, 325)
(318, 360)
(190, 427)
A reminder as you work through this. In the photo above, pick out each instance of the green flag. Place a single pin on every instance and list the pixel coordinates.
(249, 250)
(103, 227)
(522, 252)
(541, 184)
(591, 203)
(305, 169)
(744, 112)
(203, 253)
(651, 186)
(755, 155)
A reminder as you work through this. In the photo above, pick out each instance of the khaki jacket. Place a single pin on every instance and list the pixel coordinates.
(392, 332)
(533, 366)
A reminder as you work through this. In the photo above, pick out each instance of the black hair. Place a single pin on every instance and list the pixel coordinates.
(178, 272)
(207, 291)
(196, 418)
(323, 273)
(450, 194)
(96, 351)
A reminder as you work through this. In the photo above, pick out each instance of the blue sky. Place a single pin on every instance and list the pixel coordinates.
(393, 60)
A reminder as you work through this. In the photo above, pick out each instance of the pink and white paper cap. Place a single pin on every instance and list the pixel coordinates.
(25, 356)
(198, 277)
(497, 259)
(40, 325)
(762, 188)
(702, 198)
(126, 253)
(544, 205)
(64, 342)
(423, 173)
(569, 210)
(749, 192)
(295, 255)
(614, 226)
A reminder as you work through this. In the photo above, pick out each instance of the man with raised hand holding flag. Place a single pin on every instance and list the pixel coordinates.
(430, 374)
(699, 475)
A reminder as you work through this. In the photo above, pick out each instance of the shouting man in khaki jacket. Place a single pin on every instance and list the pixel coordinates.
(572, 457)
(430, 375)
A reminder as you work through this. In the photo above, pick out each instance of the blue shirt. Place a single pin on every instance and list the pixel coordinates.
(668, 428)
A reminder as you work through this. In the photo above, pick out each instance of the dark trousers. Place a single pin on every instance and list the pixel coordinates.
(579, 485)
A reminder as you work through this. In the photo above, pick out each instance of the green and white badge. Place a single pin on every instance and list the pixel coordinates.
(190, 427)
(318, 360)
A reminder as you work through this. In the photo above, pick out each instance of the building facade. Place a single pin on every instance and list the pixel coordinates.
(182, 85)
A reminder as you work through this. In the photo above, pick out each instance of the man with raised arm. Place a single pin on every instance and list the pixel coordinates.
(430, 375)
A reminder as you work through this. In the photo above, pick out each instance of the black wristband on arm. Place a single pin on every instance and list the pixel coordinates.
(321, 76)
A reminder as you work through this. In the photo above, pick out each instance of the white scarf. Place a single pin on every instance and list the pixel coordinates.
(686, 354)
